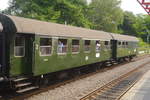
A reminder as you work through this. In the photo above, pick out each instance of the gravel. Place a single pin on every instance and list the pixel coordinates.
(82, 87)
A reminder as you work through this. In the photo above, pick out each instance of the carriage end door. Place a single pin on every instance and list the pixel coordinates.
(22, 58)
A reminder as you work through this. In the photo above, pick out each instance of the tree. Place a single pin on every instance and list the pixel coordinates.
(135, 25)
(145, 31)
(60, 11)
(106, 14)
(128, 25)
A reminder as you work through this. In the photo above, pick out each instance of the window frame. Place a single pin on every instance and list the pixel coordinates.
(119, 44)
(63, 53)
(107, 47)
(20, 46)
(72, 47)
(99, 46)
(51, 46)
(123, 44)
(88, 45)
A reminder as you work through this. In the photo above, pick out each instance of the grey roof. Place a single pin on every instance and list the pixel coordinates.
(124, 37)
(1, 27)
(24, 25)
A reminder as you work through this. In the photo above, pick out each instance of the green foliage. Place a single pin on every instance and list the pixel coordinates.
(103, 15)
(60, 11)
(128, 25)
(143, 46)
(135, 25)
(106, 14)
(142, 43)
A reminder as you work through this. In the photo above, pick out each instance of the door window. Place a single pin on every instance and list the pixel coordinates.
(19, 49)
(107, 45)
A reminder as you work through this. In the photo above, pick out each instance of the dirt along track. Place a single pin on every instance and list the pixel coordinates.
(77, 88)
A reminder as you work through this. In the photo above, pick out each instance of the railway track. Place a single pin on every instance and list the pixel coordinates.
(115, 89)
(14, 96)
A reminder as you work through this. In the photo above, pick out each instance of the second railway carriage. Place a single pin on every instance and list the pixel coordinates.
(124, 46)
(32, 48)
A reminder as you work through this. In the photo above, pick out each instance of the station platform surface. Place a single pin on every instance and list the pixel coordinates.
(141, 90)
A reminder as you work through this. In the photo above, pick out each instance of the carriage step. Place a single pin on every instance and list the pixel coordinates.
(108, 62)
(113, 61)
(108, 65)
(27, 89)
(20, 79)
(23, 84)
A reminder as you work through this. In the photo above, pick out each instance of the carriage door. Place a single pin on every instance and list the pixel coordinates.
(22, 60)
(114, 48)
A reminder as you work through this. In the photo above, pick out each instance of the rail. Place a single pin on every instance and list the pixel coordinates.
(115, 89)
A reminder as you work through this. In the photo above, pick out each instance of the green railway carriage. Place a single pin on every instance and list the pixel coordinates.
(125, 46)
(32, 48)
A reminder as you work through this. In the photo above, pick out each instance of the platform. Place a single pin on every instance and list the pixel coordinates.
(141, 90)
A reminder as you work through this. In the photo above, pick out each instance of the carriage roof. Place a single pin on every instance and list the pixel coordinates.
(124, 37)
(32, 26)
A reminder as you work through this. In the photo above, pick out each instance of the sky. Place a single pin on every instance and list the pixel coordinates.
(126, 5)
(3, 4)
(133, 6)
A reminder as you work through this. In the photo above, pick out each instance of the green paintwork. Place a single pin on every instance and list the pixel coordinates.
(22, 65)
(55, 62)
(127, 51)
(35, 64)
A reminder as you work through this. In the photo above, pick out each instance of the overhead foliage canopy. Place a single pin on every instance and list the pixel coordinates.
(135, 25)
(103, 15)
(60, 11)
(106, 14)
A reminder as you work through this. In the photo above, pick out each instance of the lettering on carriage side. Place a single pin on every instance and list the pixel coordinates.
(45, 60)
(86, 58)
(97, 55)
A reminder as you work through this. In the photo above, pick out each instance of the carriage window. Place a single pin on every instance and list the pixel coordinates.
(123, 43)
(98, 45)
(62, 46)
(87, 45)
(75, 45)
(106, 43)
(45, 46)
(19, 49)
(127, 44)
(119, 43)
